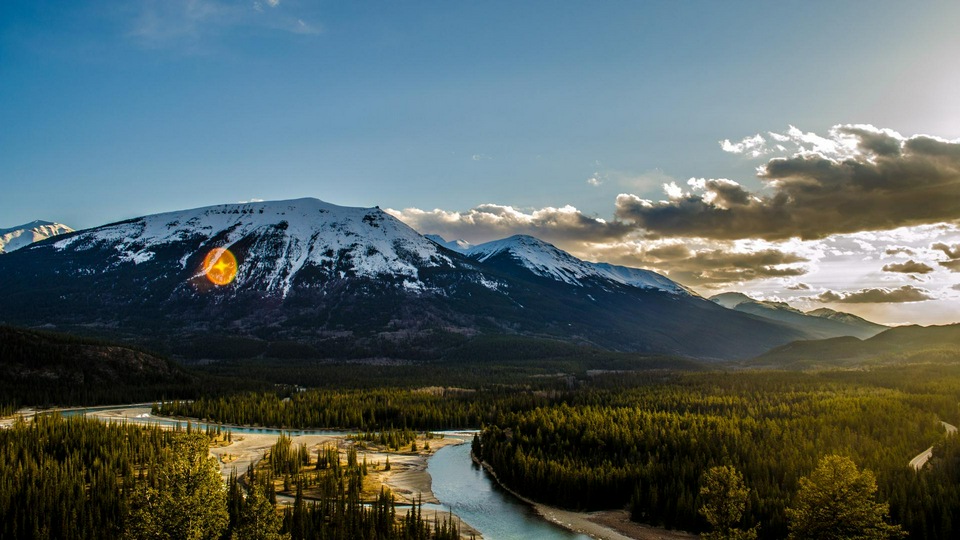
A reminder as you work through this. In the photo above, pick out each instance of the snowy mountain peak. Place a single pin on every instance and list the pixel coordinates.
(278, 242)
(731, 300)
(21, 236)
(546, 260)
(459, 245)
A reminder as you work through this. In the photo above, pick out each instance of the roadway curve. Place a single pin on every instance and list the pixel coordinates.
(921, 459)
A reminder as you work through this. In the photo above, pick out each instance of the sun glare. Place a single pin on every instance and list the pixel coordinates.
(220, 266)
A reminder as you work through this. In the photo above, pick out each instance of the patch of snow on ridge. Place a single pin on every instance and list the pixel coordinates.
(460, 246)
(544, 259)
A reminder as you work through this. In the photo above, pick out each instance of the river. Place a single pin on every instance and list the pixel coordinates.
(470, 492)
(458, 483)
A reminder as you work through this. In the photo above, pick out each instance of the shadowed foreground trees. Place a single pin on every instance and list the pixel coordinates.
(838, 502)
(185, 496)
(79, 478)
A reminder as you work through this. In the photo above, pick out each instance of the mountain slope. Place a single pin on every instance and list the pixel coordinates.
(39, 368)
(545, 260)
(20, 236)
(849, 319)
(902, 343)
(817, 324)
(352, 282)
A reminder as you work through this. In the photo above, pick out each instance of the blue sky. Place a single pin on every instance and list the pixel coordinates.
(111, 109)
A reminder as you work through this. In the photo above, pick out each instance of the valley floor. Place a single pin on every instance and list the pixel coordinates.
(407, 478)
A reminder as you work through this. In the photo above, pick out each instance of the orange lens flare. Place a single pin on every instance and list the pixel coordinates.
(220, 266)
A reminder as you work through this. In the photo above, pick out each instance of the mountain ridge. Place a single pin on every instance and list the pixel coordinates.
(353, 282)
(20, 236)
(820, 323)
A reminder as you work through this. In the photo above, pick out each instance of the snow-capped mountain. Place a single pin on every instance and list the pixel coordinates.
(817, 324)
(351, 282)
(546, 260)
(281, 242)
(20, 236)
(848, 318)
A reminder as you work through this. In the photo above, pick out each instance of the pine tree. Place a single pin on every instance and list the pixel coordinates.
(259, 519)
(187, 498)
(724, 501)
(837, 502)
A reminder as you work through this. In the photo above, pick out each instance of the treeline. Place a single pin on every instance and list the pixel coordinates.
(373, 409)
(626, 442)
(72, 478)
(40, 368)
(78, 478)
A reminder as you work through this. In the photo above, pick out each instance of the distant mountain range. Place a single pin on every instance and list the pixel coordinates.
(20, 236)
(902, 344)
(820, 323)
(352, 282)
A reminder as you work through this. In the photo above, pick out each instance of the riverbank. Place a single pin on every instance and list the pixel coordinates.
(602, 524)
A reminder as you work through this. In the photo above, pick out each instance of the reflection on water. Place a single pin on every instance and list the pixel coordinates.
(468, 490)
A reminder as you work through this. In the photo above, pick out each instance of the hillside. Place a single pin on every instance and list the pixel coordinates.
(47, 368)
(902, 344)
(820, 323)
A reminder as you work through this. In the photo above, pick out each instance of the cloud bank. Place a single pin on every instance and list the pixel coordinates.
(860, 178)
(493, 221)
(908, 267)
(906, 293)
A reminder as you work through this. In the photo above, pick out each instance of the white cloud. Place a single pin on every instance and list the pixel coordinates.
(754, 146)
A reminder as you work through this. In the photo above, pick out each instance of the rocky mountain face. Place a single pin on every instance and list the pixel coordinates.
(20, 236)
(820, 323)
(352, 282)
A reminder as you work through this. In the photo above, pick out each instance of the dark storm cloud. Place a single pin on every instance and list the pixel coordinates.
(909, 267)
(798, 287)
(950, 251)
(898, 250)
(873, 180)
(953, 252)
(906, 293)
(709, 266)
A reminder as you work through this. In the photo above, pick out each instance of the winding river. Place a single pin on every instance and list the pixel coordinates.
(467, 490)
(458, 483)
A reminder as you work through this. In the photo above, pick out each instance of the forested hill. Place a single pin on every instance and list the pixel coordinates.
(47, 368)
(900, 344)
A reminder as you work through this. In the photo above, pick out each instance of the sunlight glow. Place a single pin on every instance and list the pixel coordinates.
(220, 266)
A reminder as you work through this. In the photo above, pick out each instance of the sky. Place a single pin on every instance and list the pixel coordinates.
(806, 152)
